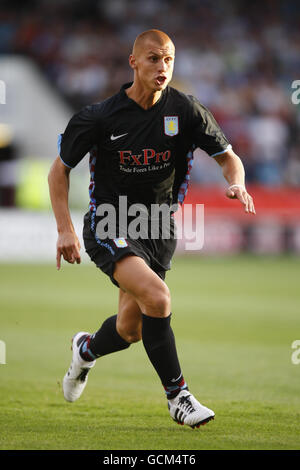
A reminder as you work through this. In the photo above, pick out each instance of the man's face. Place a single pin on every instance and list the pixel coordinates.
(153, 65)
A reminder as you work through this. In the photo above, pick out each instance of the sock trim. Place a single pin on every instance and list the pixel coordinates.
(173, 390)
(85, 351)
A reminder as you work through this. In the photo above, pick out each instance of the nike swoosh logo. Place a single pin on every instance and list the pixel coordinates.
(114, 137)
(174, 380)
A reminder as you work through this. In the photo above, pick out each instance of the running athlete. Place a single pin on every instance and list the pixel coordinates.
(140, 143)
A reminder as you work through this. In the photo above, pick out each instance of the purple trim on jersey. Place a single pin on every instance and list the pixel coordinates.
(92, 164)
(93, 229)
(65, 163)
(229, 146)
(184, 186)
(59, 148)
(59, 137)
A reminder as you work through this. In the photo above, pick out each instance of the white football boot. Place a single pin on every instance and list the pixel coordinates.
(185, 409)
(75, 380)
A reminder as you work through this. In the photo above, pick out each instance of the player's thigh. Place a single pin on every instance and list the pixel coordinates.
(129, 319)
(149, 291)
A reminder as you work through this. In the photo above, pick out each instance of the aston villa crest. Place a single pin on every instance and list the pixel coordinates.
(171, 125)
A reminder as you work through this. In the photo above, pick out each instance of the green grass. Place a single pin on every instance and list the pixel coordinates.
(234, 320)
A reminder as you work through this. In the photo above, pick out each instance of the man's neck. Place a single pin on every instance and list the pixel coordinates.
(143, 97)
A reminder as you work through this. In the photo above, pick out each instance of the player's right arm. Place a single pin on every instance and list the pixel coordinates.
(68, 244)
(78, 138)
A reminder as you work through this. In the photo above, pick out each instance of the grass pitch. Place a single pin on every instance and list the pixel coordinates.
(234, 320)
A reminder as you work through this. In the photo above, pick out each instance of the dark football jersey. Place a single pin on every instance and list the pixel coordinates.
(145, 155)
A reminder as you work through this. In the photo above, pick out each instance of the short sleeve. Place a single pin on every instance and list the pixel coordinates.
(79, 137)
(206, 133)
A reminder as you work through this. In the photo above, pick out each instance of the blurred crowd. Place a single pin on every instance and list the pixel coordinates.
(239, 58)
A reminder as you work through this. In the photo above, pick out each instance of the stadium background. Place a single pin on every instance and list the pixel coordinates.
(239, 59)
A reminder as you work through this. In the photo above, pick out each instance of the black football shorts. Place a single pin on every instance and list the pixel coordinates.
(157, 253)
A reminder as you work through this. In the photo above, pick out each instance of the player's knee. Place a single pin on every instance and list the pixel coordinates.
(158, 302)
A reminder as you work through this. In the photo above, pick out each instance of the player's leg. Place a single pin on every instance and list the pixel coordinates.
(153, 298)
(115, 334)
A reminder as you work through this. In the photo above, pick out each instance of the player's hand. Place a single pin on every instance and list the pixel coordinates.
(239, 192)
(67, 246)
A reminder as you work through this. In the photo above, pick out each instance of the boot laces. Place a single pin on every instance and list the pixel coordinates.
(186, 404)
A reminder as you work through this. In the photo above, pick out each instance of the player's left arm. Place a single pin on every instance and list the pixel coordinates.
(234, 173)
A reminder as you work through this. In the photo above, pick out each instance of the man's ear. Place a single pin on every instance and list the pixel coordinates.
(132, 61)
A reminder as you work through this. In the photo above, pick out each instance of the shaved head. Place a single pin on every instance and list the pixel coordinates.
(159, 38)
(152, 60)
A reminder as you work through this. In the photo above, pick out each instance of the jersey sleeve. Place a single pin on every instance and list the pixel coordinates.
(206, 133)
(79, 137)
